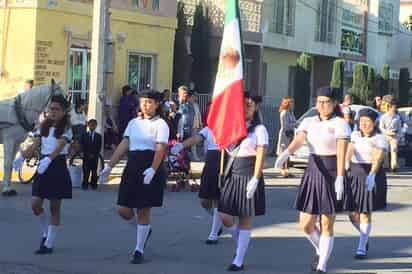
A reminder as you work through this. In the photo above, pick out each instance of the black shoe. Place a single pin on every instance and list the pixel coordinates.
(148, 237)
(44, 250)
(320, 272)
(9, 193)
(234, 267)
(315, 262)
(137, 258)
(43, 241)
(367, 246)
(94, 186)
(220, 232)
(360, 255)
(85, 186)
(211, 242)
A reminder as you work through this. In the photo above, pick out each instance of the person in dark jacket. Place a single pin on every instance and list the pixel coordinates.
(91, 143)
(127, 108)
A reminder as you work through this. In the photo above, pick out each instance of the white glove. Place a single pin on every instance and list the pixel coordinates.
(177, 148)
(282, 158)
(18, 162)
(370, 181)
(339, 187)
(148, 175)
(43, 165)
(251, 187)
(104, 174)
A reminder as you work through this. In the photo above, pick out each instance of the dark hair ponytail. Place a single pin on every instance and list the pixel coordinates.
(254, 122)
(337, 111)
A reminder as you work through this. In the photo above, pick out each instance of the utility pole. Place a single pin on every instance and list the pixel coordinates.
(101, 62)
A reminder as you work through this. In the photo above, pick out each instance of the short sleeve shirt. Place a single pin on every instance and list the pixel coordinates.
(208, 138)
(258, 137)
(144, 134)
(364, 146)
(322, 135)
(49, 143)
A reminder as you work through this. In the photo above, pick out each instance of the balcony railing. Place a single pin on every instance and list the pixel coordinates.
(250, 13)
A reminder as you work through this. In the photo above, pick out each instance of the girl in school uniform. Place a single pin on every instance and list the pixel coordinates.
(243, 193)
(367, 177)
(322, 184)
(209, 192)
(52, 180)
(141, 187)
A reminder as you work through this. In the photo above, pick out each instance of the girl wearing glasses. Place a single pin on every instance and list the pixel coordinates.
(322, 186)
(52, 180)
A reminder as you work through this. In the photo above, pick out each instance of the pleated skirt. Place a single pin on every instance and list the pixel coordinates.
(55, 182)
(233, 199)
(132, 192)
(316, 193)
(209, 181)
(367, 201)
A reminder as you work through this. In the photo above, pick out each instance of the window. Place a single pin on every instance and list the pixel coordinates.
(352, 41)
(386, 18)
(140, 74)
(284, 17)
(326, 21)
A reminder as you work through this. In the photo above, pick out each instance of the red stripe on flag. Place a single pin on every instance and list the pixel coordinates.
(226, 116)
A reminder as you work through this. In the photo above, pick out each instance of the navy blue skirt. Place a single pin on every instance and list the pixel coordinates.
(367, 201)
(209, 181)
(55, 182)
(132, 192)
(316, 193)
(233, 199)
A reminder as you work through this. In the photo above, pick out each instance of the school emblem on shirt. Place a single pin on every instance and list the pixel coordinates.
(331, 130)
(152, 130)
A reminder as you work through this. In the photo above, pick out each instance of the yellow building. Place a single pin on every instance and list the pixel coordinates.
(44, 39)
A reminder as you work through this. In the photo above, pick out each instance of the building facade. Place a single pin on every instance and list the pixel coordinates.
(44, 39)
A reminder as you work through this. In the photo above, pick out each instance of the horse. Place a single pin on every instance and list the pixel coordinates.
(18, 116)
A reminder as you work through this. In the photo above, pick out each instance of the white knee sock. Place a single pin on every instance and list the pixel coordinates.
(365, 230)
(325, 249)
(51, 235)
(242, 245)
(234, 231)
(142, 233)
(43, 224)
(216, 225)
(314, 239)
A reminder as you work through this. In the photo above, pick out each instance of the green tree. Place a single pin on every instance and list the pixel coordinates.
(384, 87)
(180, 56)
(301, 92)
(404, 86)
(337, 77)
(200, 48)
(360, 85)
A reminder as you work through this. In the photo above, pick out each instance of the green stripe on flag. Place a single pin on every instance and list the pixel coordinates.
(231, 11)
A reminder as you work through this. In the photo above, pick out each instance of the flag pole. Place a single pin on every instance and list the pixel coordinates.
(221, 170)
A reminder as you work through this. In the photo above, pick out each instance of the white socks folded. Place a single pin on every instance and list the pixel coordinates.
(142, 233)
(365, 230)
(325, 249)
(314, 238)
(51, 236)
(216, 225)
(242, 245)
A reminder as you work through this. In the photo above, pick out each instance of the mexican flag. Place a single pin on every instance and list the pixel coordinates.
(226, 116)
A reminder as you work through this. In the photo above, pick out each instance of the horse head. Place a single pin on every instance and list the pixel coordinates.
(35, 100)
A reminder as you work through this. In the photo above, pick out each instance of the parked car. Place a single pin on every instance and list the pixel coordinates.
(301, 155)
(406, 116)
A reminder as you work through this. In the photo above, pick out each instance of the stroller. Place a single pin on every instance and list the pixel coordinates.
(178, 166)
